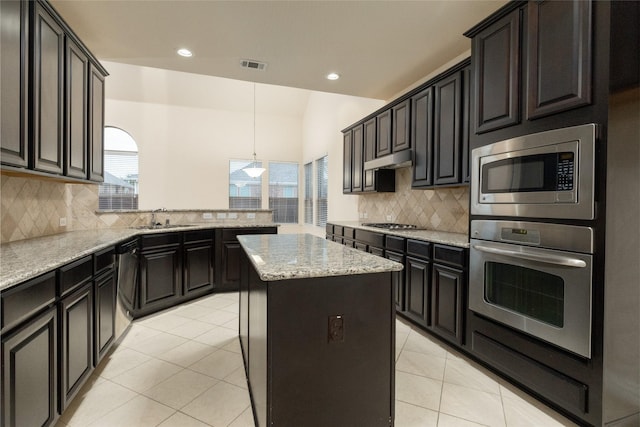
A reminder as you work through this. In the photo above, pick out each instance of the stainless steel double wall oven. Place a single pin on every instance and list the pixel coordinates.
(530, 267)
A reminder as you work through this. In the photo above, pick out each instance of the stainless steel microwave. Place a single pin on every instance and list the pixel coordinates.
(544, 175)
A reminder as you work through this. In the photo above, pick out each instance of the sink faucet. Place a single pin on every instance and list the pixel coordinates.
(153, 215)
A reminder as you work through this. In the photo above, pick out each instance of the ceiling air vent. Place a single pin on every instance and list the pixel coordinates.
(255, 65)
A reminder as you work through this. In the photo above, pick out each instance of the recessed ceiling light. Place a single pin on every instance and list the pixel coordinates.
(333, 76)
(185, 52)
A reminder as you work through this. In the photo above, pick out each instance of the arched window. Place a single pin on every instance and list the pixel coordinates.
(120, 188)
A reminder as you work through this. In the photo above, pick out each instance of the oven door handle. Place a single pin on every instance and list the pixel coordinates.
(548, 259)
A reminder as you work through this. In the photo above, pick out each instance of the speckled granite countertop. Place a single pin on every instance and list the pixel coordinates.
(26, 259)
(300, 256)
(446, 238)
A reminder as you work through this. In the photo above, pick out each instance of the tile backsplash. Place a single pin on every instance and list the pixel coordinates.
(32, 207)
(441, 209)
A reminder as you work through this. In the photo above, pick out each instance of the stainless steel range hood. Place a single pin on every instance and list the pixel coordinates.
(397, 160)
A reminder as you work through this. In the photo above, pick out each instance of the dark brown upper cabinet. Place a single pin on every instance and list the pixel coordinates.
(466, 127)
(96, 124)
(422, 135)
(14, 70)
(77, 72)
(48, 92)
(347, 152)
(558, 70)
(447, 147)
(369, 153)
(496, 52)
(383, 129)
(401, 125)
(357, 158)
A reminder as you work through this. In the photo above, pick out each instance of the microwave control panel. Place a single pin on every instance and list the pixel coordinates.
(565, 172)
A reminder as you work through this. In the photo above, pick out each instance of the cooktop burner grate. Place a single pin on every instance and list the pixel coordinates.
(391, 226)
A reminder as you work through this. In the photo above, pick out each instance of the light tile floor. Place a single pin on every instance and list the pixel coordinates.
(183, 368)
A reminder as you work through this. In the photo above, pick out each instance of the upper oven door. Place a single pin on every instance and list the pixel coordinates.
(544, 175)
(545, 293)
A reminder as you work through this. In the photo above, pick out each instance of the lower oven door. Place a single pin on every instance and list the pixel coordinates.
(545, 293)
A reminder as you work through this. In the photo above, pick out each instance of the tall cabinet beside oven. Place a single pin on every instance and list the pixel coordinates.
(542, 66)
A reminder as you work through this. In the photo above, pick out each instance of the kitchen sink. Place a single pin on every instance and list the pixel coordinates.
(161, 226)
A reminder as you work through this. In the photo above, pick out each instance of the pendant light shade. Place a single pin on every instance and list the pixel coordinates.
(254, 171)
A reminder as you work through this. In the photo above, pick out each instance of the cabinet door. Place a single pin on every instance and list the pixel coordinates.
(76, 324)
(198, 268)
(446, 303)
(383, 130)
(96, 125)
(347, 162)
(369, 153)
(558, 56)
(76, 74)
(231, 252)
(357, 160)
(496, 58)
(105, 312)
(160, 278)
(417, 290)
(398, 280)
(447, 144)
(48, 95)
(29, 373)
(401, 123)
(422, 135)
(14, 48)
(466, 120)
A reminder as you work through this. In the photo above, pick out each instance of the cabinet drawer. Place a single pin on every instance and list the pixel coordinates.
(24, 300)
(230, 234)
(160, 240)
(450, 255)
(419, 248)
(198, 236)
(104, 260)
(75, 274)
(338, 230)
(329, 228)
(370, 238)
(395, 243)
(348, 232)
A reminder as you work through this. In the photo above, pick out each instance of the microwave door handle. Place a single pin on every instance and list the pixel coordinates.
(548, 259)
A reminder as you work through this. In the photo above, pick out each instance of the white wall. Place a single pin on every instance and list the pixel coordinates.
(326, 115)
(189, 126)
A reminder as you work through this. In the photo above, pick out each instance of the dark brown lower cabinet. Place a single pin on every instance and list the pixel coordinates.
(160, 278)
(198, 263)
(29, 373)
(398, 280)
(446, 302)
(105, 308)
(417, 290)
(76, 332)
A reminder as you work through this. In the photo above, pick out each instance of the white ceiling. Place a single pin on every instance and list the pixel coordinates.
(378, 47)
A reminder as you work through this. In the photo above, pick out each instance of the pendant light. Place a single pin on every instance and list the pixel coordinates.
(254, 171)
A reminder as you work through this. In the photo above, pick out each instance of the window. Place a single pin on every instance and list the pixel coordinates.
(308, 193)
(244, 192)
(321, 185)
(119, 191)
(283, 192)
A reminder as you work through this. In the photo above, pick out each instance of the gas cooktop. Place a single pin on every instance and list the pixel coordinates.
(391, 226)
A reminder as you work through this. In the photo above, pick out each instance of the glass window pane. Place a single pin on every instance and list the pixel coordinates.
(283, 192)
(308, 193)
(322, 172)
(244, 192)
(119, 191)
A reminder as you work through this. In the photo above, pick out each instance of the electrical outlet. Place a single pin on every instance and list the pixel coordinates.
(207, 215)
(63, 222)
(251, 216)
(389, 217)
(366, 215)
(232, 215)
(336, 328)
(221, 215)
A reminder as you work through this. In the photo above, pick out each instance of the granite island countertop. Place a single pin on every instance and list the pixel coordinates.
(443, 237)
(300, 256)
(25, 259)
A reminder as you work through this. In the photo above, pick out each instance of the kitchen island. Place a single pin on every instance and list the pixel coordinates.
(317, 330)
